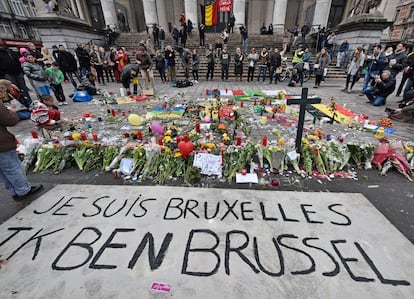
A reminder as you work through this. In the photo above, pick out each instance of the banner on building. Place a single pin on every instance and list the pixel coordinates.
(224, 5)
(209, 14)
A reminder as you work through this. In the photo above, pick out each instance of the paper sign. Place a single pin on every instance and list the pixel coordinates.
(208, 163)
(292, 155)
(161, 287)
(247, 178)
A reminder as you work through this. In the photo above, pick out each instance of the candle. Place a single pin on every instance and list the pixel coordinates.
(139, 135)
(83, 136)
(255, 102)
(238, 141)
(264, 141)
(160, 140)
(241, 104)
(197, 126)
(95, 137)
(270, 102)
(186, 138)
(34, 135)
(227, 90)
(178, 139)
(123, 113)
(113, 112)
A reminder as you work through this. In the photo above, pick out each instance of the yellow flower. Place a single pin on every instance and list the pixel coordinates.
(202, 144)
(167, 139)
(211, 145)
(177, 155)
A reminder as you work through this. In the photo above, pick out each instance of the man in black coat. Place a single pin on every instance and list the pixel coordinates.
(10, 69)
(84, 60)
(381, 87)
(68, 64)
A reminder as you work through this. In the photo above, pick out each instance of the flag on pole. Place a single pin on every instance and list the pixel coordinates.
(209, 14)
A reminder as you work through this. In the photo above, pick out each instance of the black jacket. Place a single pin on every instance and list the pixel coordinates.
(10, 63)
(83, 57)
(384, 88)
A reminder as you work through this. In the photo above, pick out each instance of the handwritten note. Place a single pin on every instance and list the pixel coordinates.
(208, 163)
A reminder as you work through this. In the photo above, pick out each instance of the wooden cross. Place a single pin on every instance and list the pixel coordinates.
(303, 100)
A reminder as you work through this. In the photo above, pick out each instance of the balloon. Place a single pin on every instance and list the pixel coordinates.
(207, 119)
(157, 128)
(185, 147)
(134, 120)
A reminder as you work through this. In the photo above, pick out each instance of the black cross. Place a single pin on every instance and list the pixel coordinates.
(303, 100)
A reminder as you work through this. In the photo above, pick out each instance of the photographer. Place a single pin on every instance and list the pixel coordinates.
(381, 87)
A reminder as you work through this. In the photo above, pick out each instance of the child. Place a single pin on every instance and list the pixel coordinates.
(45, 114)
(36, 75)
(56, 77)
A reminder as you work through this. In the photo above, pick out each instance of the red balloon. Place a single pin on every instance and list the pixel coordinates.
(185, 147)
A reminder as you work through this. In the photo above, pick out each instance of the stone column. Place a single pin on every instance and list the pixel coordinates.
(321, 15)
(279, 15)
(239, 10)
(80, 10)
(190, 10)
(109, 12)
(162, 14)
(150, 12)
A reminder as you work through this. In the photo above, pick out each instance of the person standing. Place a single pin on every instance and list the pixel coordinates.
(11, 171)
(238, 64)
(195, 65)
(322, 61)
(201, 32)
(232, 21)
(97, 63)
(295, 33)
(145, 63)
(304, 31)
(11, 70)
(175, 35)
(160, 65)
(397, 60)
(245, 38)
(155, 34)
(275, 63)
(342, 51)
(263, 59)
(186, 63)
(354, 69)
(189, 28)
(84, 60)
(108, 65)
(36, 74)
(121, 58)
(121, 20)
(211, 59)
(170, 57)
(375, 63)
(161, 37)
(183, 36)
(225, 63)
(55, 77)
(251, 59)
(68, 64)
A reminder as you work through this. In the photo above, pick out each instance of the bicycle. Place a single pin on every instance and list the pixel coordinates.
(287, 72)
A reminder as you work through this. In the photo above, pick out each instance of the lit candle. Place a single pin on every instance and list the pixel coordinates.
(238, 141)
(186, 138)
(113, 112)
(139, 135)
(95, 137)
(178, 139)
(255, 102)
(160, 140)
(241, 104)
(197, 126)
(34, 135)
(83, 136)
(264, 141)
(270, 102)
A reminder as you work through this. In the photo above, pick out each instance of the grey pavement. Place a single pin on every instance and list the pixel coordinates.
(391, 195)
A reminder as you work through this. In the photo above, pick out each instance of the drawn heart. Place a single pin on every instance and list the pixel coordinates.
(185, 147)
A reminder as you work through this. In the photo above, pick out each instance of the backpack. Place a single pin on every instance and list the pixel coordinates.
(81, 96)
(183, 83)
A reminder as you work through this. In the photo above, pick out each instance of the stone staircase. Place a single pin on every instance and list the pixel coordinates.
(130, 42)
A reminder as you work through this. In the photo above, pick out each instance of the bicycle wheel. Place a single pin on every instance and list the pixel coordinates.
(283, 75)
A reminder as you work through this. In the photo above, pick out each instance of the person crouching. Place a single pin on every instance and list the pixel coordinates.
(45, 114)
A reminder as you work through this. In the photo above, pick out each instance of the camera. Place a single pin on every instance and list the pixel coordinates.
(389, 110)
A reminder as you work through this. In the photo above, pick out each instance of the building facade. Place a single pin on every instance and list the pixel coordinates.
(403, 27)
(69, 21)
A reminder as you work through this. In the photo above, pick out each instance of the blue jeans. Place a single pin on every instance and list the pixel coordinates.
(245, 45)
(375, 100)
(12, 175)
(162, 41)
(368, 77)
(262, 70)
(408, 85)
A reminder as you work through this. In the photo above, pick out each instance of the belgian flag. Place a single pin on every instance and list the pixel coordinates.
(209, 14)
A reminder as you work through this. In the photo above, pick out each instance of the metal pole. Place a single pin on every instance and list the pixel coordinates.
(301, 120)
